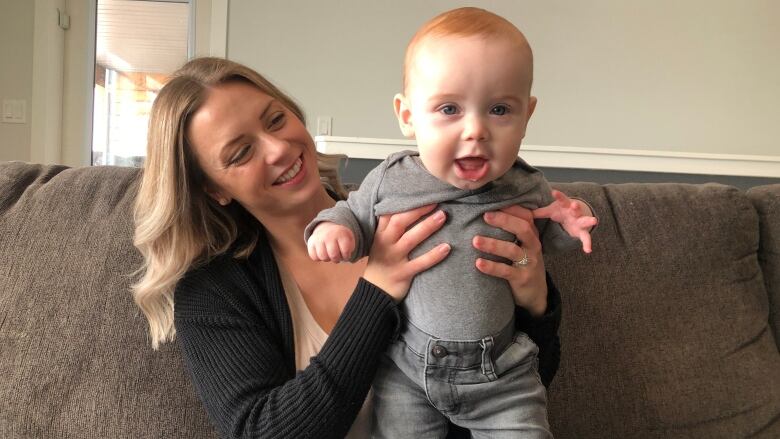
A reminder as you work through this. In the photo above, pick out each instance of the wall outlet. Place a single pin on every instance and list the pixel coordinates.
(324, 125)
(14, 111)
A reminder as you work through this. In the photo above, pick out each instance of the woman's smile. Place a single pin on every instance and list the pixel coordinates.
(293, 175)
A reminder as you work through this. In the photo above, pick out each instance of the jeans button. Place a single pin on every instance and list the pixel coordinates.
(438, 351)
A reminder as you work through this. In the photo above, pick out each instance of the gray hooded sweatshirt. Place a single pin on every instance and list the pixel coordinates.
(452, 300)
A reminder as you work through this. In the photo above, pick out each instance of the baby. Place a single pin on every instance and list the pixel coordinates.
(466, 100)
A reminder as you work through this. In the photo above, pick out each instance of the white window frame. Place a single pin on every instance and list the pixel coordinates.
(64, 69)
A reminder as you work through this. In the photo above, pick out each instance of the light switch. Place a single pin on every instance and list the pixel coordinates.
(14, 111)
(324, 124)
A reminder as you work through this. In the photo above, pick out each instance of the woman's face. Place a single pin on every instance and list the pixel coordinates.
(254, 150)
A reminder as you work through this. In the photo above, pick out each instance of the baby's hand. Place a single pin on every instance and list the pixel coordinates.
(574, 215)
(331, 242)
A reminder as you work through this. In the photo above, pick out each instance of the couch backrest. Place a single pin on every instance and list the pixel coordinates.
(766, 200)
(665, 326)
(76, 361)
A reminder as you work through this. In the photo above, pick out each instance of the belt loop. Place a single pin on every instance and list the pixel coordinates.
(487, 361)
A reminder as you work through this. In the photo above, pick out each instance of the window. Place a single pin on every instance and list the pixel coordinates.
(138, 44)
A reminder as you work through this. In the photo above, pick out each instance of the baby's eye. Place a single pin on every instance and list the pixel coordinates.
(448, 109)
(499, 110)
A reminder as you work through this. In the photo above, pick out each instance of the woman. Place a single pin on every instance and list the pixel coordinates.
(231, 180)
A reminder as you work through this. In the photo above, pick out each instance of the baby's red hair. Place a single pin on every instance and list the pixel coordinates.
(466, 22)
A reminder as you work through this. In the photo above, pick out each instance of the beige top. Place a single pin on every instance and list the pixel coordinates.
(309, 338)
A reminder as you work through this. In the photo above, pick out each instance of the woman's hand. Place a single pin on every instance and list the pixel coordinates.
(389, 266)
(528, 282)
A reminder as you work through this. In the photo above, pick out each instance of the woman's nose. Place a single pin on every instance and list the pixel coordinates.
(475, 128)
(274, 148)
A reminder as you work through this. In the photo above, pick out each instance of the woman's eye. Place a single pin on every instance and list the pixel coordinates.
(239, 155)
(277, 120)
(448, 109)
(499, 110)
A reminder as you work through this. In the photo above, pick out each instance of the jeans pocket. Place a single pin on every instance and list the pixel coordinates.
(519, 355)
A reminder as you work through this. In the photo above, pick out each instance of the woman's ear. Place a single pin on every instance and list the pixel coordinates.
(216, 195)
(404, 115)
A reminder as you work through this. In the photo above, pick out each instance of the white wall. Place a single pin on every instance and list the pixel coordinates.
(16, 48)
(694, 75)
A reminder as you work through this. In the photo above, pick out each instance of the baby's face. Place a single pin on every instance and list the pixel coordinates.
(467, 103)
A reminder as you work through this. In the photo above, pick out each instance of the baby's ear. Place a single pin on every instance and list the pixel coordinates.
(531, 106)
(404, 115)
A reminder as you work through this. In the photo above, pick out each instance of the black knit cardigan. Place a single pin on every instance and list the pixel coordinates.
(234, 328)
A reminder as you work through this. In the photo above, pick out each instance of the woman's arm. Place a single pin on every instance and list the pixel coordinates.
(537, 300)
(234, 328)
(237, 343)
(543, 330)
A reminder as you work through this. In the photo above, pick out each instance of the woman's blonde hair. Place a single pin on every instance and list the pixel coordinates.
(178, 225)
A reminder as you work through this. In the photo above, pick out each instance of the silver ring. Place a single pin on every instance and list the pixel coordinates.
(522, 262)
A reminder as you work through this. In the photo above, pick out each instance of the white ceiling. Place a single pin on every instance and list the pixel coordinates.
(142, 36)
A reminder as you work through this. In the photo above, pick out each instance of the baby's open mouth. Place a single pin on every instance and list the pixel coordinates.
(471, 168)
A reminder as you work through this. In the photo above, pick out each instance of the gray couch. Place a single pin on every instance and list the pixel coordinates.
(669, 327)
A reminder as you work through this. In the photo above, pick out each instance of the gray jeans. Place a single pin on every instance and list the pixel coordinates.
(489, 386)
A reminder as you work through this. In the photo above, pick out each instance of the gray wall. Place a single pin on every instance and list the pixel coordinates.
(695, 75)
(16, 64)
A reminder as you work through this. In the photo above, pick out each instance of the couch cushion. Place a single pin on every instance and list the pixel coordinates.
(665, 325)
(766, 199)
(76, 361)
